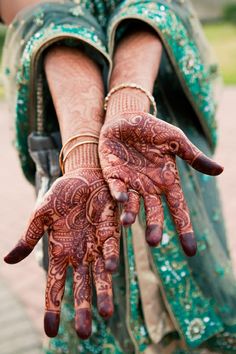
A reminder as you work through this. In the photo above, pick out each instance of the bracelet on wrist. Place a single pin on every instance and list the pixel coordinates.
(134, 86)
(64, 154)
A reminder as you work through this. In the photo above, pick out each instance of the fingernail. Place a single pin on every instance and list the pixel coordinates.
(83, 323)
(207, 166)
(121, 197)
(189, 244)
(18, 253)
(105, 306)
(111, 264)
(153, 235)
(51, 323)
(127, 218)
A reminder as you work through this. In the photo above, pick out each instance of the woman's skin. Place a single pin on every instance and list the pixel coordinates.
(137, 151)
(78, 211)
(9, 9)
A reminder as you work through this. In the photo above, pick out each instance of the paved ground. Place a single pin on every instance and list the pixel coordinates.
(22, 286)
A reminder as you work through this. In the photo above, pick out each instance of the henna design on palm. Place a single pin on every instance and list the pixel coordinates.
(138, 155)
(82, 223)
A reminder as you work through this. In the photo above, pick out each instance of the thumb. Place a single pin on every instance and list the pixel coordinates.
(195, 157)
(19, 252)
(206, 165)
(36, 229)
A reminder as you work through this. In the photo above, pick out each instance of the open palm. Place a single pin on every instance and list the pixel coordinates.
(138, 158)
(82, 223)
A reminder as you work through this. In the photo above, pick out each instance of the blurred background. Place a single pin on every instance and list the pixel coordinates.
(22, 286)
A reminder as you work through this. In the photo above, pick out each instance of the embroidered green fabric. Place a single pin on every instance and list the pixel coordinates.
(198, 294)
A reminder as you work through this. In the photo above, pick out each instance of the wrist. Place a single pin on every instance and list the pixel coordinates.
(83, 156)
(126, 100)
(79, 151)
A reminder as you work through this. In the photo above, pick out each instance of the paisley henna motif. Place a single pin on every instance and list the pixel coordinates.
(138, 154)
(81, 219)
(78, 212)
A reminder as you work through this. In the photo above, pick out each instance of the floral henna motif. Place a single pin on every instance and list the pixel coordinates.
(82, 223)
(78, 212)
(138, 154)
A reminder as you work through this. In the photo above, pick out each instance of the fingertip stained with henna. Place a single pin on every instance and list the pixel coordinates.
(189, 244)
(21, 251)
(111, 264)
(83, 323)
(205, 165)
(143, 152)
(51, 323)
(127, 218)
(82, 222)
(153, 235)
(105, 306)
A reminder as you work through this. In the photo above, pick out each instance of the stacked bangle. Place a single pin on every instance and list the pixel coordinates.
(63, 156)
(134, 86)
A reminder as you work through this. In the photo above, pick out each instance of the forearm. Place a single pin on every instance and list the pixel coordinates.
(77, 90)
(136, 60)
(9, 9)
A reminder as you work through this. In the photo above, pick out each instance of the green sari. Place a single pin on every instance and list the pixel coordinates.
(164, 302)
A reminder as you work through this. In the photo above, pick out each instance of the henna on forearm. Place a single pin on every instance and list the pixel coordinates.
(136, 60)
(79, 106)
(77, 89)
(78, 212)
(138, 152)
(82, 223)
(138, 155)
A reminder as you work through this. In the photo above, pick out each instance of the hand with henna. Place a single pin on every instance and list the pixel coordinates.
(138, 158)
(137, 151)
(78, 212)
(82, 224)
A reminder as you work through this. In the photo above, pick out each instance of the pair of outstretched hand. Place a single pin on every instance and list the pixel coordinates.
(138, 159)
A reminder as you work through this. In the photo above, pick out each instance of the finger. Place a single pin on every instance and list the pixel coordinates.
(111, 250)
(54, 293)
(103, 284)
(108, 232)
(82, 300)
(154, 219)
(180, 213)
(118, 190)
(19, 252)
(130, 209)
(36, 229)
(192, 155)
(206, 165)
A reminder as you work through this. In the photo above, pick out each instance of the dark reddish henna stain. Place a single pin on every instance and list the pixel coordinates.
(189, 244)
(105, 306)
(121, 197)
(81, 219)
(206, 165)
(21, 251)
(153, 235)
(51, 323)
(111, 264)
(138, 151)
(127, 218)
(83, 323)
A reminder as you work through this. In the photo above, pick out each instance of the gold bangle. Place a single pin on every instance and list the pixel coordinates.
(76, 145)
(61, 159)
(135, 86)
